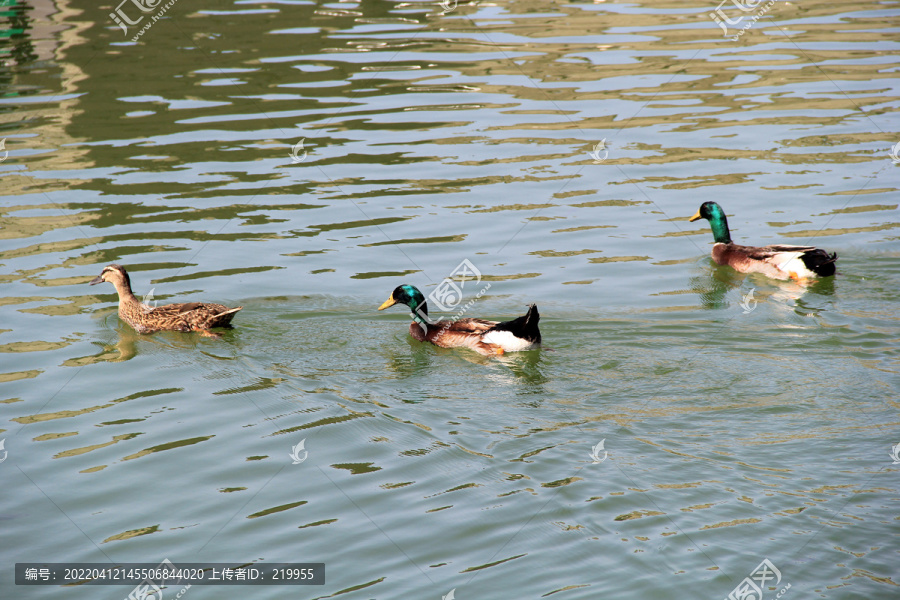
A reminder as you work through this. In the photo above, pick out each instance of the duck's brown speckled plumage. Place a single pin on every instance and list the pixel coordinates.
(187, 316)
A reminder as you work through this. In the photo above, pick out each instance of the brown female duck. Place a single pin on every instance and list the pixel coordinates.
(188, 316)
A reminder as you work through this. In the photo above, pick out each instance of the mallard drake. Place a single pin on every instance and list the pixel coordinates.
(779, 261)
(485, 337)
(188, 316)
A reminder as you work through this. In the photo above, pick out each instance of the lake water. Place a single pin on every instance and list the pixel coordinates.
(742, 419)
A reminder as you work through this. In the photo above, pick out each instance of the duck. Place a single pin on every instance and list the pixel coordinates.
(778, 261)
(489, 338)
(186, 316)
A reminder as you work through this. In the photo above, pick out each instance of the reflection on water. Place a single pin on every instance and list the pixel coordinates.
(125, 348)
(743, 417)
(721, 287)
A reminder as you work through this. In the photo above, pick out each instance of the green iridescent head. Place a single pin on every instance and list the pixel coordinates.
(410, 296)
(713, 213)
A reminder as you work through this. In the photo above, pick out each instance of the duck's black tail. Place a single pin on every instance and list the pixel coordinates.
(819, 262)
(524, 327)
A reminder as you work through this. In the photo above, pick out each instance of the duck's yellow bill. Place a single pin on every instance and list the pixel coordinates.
(696, 216)
(388, 303)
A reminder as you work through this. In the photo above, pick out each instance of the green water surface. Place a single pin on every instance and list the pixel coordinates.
(742, 419)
